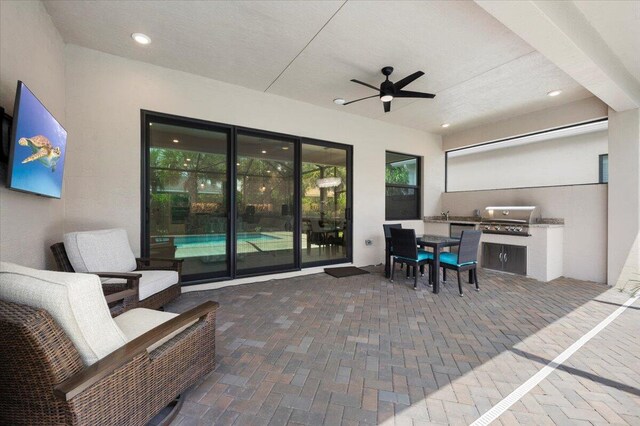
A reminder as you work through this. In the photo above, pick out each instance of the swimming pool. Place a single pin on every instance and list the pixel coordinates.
(184, 241)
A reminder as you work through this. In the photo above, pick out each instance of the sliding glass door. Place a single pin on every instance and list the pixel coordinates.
(187, 202)
(265, 203)
(326, 223)
(235, 202)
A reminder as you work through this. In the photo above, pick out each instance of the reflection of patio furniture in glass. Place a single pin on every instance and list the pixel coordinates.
(317, 235)
(160, 246)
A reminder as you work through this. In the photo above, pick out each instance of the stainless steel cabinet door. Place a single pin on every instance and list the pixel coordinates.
(515, 259)
(492, 256)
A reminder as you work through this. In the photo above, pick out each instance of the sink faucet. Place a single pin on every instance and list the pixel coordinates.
(445, 215)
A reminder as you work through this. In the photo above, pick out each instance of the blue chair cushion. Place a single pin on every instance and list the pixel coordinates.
(452, 259)
(422, 256)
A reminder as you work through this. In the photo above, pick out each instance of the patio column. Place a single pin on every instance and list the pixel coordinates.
(624, 199)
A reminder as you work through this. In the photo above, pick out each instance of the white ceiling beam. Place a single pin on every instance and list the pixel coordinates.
(559, 31)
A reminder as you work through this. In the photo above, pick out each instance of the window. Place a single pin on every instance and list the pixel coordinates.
(563, 156)
(402, 179)
(604, 168)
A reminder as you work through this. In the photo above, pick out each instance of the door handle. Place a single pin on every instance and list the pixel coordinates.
(505, 258)
(500, 256)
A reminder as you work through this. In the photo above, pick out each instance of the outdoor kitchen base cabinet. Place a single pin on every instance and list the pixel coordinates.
(505, 257)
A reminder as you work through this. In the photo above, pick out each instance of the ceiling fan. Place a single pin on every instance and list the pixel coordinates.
(389, 90)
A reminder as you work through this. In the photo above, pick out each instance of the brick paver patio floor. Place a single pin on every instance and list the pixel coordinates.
(362, 350)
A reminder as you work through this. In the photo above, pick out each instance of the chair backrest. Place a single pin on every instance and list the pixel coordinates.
(100, 251)
(75, 301)
(35, 355)
(315, 225)
(61, 258)
(404, 243)
(387, 228)
(469, 242)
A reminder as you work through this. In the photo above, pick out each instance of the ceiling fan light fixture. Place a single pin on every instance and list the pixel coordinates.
(386, 98)
(329, 182)
(339, 101)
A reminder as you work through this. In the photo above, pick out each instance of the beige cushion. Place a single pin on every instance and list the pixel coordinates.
(136, 322)
(151, 282)
(100, 251)
(75, 301)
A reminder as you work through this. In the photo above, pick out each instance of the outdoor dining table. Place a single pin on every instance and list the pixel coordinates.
(434, 242)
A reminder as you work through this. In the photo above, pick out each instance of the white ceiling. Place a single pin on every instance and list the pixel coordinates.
(618, 23)
(480, 70)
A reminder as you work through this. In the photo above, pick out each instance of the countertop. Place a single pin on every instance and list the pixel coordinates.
(540, 223)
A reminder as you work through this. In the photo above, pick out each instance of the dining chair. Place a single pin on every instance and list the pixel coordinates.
(465, 260)
(405, 250)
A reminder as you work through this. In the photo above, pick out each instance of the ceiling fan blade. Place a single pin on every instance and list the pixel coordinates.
(365, 84)
(409, 94)
(408, 79)
(387, 106)
(361, 99)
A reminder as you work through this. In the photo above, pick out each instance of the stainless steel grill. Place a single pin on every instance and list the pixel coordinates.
(507, 220)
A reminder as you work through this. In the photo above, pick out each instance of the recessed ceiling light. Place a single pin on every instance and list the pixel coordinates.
(339, 101)
(554, 93)
(141, 38)
(237, 164)
(176, 141)
(284, 148)
(264, 152)
(268, 171)
(445, 125)
(188, 159)
(185, 164)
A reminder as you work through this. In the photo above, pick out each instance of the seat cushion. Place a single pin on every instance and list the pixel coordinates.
(151, 282)
(100, 251)
(75, 301)
(136, 322)
(422, 256)
(452, 259)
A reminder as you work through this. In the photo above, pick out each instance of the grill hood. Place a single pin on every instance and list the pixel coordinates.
(508, 214)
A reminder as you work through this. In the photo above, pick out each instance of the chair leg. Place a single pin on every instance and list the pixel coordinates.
(475, 278)
(393, 269)
(430, 274)
(444, 275)
(415, 277)
(460, 284)
(470, 276)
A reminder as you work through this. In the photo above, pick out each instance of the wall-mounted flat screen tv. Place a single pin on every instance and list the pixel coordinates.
(38, 147)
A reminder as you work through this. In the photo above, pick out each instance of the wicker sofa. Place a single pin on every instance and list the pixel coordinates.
(64, 360)
(107, 253)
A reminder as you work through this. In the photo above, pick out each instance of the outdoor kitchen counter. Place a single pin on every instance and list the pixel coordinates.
(545, 223)
(544, 245)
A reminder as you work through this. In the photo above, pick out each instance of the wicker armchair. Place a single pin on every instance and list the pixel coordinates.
(130, 271)
(44, 376)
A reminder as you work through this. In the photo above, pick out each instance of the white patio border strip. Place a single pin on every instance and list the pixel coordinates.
(524, 388)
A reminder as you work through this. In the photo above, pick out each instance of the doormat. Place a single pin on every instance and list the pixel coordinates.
(347, 271)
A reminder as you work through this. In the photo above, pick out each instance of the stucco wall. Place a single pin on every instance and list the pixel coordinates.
(31, 50)
(105, 94)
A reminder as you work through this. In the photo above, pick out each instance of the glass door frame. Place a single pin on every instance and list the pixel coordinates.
(348, 209)
(296, 200)
(148, 116)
